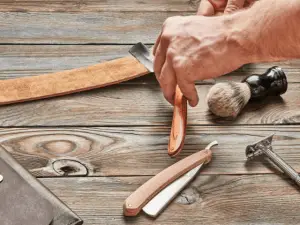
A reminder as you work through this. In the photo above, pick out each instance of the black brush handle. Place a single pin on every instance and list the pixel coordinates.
(272, 83)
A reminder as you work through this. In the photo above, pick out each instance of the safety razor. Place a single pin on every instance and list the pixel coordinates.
(264, 147)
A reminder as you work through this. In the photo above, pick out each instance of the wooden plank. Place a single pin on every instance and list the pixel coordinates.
(96, 6)
(124, 151)
(85, 28)
(215, 199)
(29, 60)
(291, 69)
(124, 105)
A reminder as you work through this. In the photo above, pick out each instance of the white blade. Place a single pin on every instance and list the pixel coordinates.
(163, 198)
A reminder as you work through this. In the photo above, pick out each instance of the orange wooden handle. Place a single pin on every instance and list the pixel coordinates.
(70, 81)
(178, 128)
(138, 199)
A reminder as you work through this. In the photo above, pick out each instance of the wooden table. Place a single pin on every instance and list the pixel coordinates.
(93, 149)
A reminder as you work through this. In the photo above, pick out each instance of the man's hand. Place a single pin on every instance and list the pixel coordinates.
(195, 48)
(187, 49)
(199, 47)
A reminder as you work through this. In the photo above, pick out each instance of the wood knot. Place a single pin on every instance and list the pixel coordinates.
(60, 147)
(50, 144)
(188, 197)
(69, 167)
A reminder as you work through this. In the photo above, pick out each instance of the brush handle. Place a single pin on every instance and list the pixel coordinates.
(179, 121)
(272, 83)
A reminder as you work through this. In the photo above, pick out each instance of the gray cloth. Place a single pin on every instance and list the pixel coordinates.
(25, 201)
(19, 202)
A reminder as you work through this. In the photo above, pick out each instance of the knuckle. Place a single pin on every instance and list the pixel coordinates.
(232, 8)
(170, 54)
(234, 5)
(165, 36)
(177, 67)
(179, 63)
(167, 21)
(170, 20)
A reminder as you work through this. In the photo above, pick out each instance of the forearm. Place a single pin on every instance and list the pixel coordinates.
(270, 30)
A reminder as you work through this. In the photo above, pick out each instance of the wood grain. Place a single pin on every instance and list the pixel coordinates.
(96, 6)
(29, 60)
(126, 151)
(139, 198)
(134, 120)
(84, 28)
(257, 199)
(128, 105)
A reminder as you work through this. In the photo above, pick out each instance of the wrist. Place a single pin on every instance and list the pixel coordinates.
(241, 36)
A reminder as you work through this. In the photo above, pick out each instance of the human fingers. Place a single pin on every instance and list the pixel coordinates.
(234, 5)
(167, 81)
(188, 89)
(156, 43)
(160, 56)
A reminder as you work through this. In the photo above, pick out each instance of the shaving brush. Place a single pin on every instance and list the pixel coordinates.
(229, 98)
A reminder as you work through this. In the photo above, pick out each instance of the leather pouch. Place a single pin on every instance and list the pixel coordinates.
(25, 201)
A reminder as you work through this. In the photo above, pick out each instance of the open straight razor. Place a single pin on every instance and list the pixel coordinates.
(178, 129)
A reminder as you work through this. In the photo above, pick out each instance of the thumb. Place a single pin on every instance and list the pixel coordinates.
(234, 5)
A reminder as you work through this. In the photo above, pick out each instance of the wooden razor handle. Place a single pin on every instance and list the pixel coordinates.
(179, 121)
(70, 81)
(138, 199)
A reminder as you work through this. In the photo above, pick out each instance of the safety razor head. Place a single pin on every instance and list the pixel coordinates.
(259, 147)
(143, 55)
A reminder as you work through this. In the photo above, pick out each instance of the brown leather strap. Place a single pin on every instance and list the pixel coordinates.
(70, 81)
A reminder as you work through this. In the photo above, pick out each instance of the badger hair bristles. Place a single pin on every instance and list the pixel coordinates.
(228, 99)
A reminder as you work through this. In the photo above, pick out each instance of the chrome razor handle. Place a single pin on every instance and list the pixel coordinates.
(265, 147)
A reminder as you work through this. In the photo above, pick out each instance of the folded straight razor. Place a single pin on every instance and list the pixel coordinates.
(154, 195)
